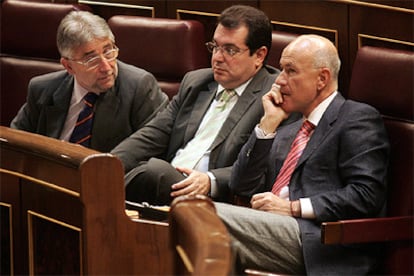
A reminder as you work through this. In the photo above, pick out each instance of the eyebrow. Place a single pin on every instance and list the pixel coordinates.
(94, 51)
(287, 64)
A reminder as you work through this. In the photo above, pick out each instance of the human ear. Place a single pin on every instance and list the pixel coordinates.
(66, 64)
(323, 78)
(261, 55)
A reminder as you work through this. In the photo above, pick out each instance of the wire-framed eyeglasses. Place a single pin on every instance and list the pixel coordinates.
(95, 61)
(227, 50)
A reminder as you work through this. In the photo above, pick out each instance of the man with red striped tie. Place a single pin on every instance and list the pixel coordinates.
(331, 165)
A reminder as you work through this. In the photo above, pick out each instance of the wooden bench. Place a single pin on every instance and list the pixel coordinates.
(62, 209)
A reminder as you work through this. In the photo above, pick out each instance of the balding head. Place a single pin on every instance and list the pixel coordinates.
(310, 66)
(321, 50)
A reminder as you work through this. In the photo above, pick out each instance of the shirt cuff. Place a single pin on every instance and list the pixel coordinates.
(213, 184)
(306, 208)
(260, 134)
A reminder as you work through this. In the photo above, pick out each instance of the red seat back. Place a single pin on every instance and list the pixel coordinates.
(168, 48)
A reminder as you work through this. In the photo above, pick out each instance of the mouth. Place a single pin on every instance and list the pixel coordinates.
(106, 77)
(218, 69)
(284, 94)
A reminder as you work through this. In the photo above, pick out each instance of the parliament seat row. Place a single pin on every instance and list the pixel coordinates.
(76, 224)
(79, 221)
(168, 48)
(28, 48)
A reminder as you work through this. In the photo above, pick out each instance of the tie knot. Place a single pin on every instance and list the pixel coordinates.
(307, 127)
(226, 95)
(224, 98)
(90, 98)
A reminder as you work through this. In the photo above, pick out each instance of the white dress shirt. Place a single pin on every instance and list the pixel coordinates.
(75, 107)
(314, 117)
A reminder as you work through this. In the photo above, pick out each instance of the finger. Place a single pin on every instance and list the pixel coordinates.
(183, 170)
(182, 184)
(276, 95)
(275, 87)
(188, 190)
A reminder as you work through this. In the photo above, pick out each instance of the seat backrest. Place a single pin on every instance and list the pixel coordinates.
(279, 41)
(168, 48)
(384, 78)
(28, 48)
(29, 28)
(15, 74)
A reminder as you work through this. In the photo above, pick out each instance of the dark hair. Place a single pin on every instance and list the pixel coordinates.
(256, 21)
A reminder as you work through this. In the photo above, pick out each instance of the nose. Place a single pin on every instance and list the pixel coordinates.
(215, 53)
(104, 64)
(280, 80)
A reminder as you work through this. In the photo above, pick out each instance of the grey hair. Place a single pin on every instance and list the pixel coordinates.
(323, 52)
(78, 28)
(328, 59)
(326, 56)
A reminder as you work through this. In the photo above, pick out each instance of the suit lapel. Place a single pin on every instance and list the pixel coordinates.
(200, 107)
(243, 103)
(108, 104)
(56, 113)
(323, 129)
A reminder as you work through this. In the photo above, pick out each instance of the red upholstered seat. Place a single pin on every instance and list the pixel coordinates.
(14, 77)
(29, 28)
(279, 41)
(384, 78)
(168, 48)
(28, 48)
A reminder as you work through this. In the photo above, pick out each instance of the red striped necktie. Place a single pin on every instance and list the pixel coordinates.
(82, 132)
(293, 156)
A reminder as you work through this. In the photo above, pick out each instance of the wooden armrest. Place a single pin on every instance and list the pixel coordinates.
(368, 230)
(199, 236)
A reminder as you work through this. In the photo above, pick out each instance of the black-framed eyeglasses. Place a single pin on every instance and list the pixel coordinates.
(95, 61)
(227, 50)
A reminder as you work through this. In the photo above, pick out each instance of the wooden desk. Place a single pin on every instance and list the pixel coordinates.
(62, 212)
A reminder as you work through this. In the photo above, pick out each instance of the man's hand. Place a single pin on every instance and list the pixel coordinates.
(273, 112)
(269, 202)
(195, 184)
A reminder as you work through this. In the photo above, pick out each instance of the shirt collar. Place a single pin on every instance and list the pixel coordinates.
(316, 115)
(78, 92)
(239, 90)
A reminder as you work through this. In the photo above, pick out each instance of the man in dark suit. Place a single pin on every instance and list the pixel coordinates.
(340, 173)
(127, 96)
(188, 148)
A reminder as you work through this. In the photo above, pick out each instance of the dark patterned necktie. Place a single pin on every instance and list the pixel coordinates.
(82, 132)
(292, 158)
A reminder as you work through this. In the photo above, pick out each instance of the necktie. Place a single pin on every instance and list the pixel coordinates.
(82, 132)
(225, 97)
(205, 135)
(298, 145)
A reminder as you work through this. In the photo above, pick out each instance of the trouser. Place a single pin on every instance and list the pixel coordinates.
(151, 182)
(262, 240)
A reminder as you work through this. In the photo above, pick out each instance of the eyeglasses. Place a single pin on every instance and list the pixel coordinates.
(95, 61)
(227, 50)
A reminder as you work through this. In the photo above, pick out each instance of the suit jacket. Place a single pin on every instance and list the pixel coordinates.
(342, 170)
(171, 129)
(127, 106)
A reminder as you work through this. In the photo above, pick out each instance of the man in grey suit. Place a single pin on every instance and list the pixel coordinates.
(340, 173)
(169, 156)
(127, 96)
